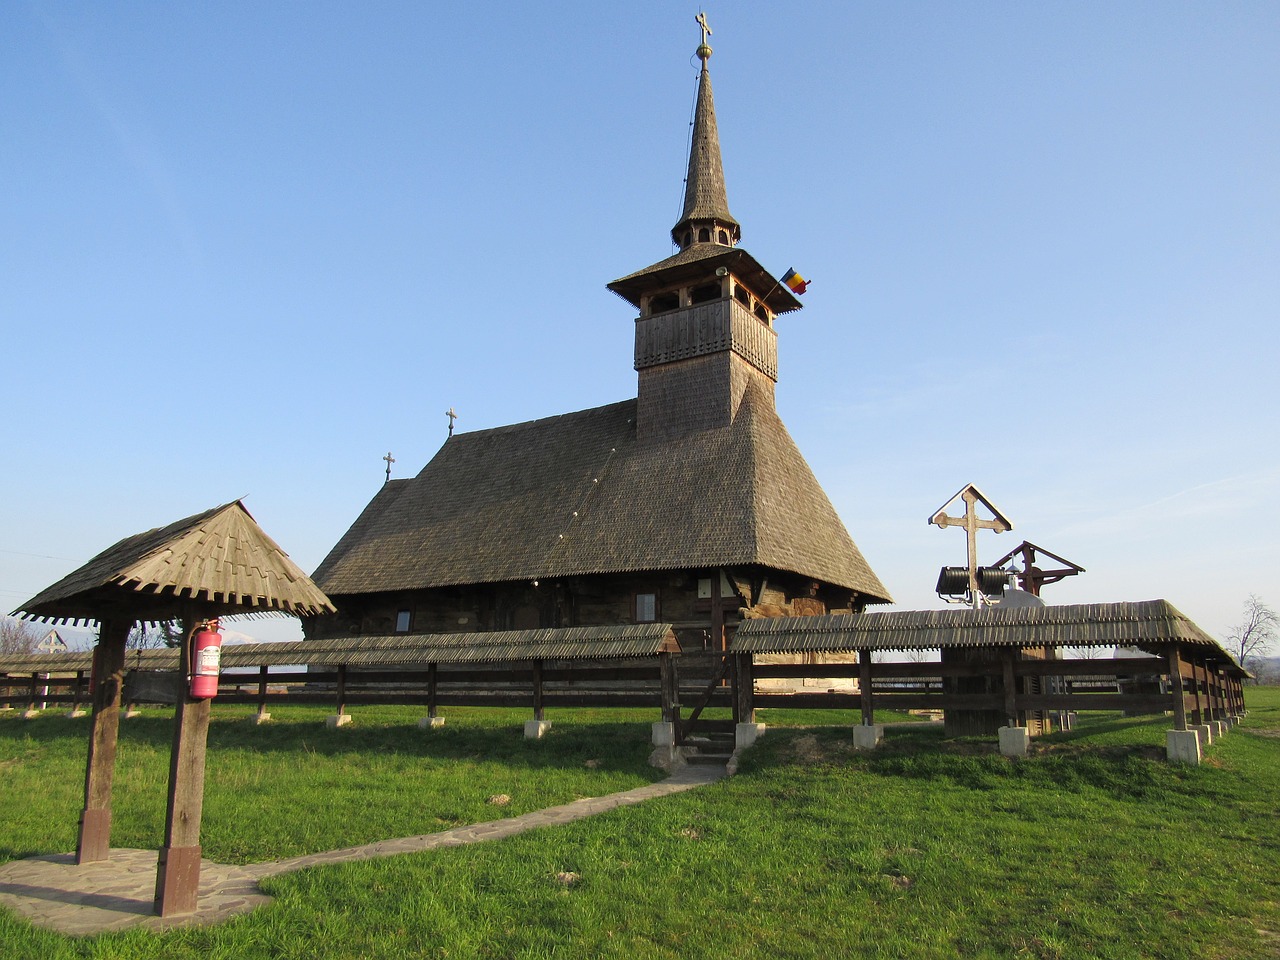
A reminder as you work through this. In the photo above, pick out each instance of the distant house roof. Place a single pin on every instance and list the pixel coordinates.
(577, 494)
(220, 558)
(1143, 624)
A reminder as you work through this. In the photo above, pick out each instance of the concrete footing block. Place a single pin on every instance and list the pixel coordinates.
(663, 734)
(77, 714)
(31, 714)
(1014, 741)
(1219, 727)
(1204, 732)
(745, 734)
(536, 729)
(431, 723)
(1183, 746)
(337, 720)
(260, 718)
(867, 736)
(130, 712)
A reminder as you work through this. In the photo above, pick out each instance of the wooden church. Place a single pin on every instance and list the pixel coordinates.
(689, 505)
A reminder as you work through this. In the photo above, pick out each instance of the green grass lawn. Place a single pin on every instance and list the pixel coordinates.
(1092, 847)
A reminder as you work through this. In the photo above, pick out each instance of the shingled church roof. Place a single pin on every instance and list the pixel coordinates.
(577, 494)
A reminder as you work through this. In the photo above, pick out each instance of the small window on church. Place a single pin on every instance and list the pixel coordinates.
(646, 607)
(705, 293)
(762, 313)
(664, 302)
(704, 235)
(744, 298)
(688, 238)
(724, 238)
(402, 621)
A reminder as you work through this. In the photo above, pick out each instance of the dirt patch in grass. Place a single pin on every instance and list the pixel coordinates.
(808, 750)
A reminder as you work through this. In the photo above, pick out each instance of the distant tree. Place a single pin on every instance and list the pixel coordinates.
(1253, 637)
(155, 635)
(17, 636)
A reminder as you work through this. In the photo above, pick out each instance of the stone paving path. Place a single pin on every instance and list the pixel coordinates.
(52, 892)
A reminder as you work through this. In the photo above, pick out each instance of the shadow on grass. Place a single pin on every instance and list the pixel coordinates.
(615, 746)
(1129, 771)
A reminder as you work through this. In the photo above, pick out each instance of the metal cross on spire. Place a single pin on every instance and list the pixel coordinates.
(702, 22)
(390, 460)
(972, 523)
(452, 417)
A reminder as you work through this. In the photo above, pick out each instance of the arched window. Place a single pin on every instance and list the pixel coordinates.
(762, 313)
(724, 238)
(744, 298)
(704, 235)
(688, 237)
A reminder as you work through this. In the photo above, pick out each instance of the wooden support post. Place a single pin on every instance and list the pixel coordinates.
(77, 693)
(1010, 686)
(864, 687)
(1197, 712)
(717, 614)
(262, 690)
(342, 689)
(537, 690)
(1173, 661)
(33, 695)
(178, 869)
(94, 842)
(432, 685)
(743, 689)
(670, 690)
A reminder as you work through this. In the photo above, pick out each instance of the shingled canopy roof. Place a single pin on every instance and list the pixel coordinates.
(1146, 624)
(577, 494)
(220, 559)
(698, 261)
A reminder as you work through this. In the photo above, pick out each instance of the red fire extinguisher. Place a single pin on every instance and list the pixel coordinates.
(206, 652)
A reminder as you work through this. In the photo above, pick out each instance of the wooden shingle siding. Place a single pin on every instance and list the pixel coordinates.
(499, 506)
(718, 326)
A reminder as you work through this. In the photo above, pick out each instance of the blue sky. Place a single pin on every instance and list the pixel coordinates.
(249, 248)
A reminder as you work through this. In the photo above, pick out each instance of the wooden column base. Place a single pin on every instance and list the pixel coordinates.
(95, 836)
(177, 880)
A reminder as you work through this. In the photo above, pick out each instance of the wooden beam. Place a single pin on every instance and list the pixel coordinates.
(744, 689)
(670, 687)
(717, 614)
(94, 842)
(537, 690)
(178, 869)
(1173, 660)
(1010, 686)
(262, 689)
(864, 687)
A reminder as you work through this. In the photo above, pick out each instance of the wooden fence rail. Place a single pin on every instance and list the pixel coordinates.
(1014, 686)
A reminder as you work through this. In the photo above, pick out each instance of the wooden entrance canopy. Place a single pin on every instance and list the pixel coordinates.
(210, 564)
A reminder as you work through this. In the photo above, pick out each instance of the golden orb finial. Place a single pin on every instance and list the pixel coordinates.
(704, 48)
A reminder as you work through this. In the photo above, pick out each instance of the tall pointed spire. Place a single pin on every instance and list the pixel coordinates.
(706, 217)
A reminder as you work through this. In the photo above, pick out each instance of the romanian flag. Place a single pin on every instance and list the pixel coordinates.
(797, 283)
